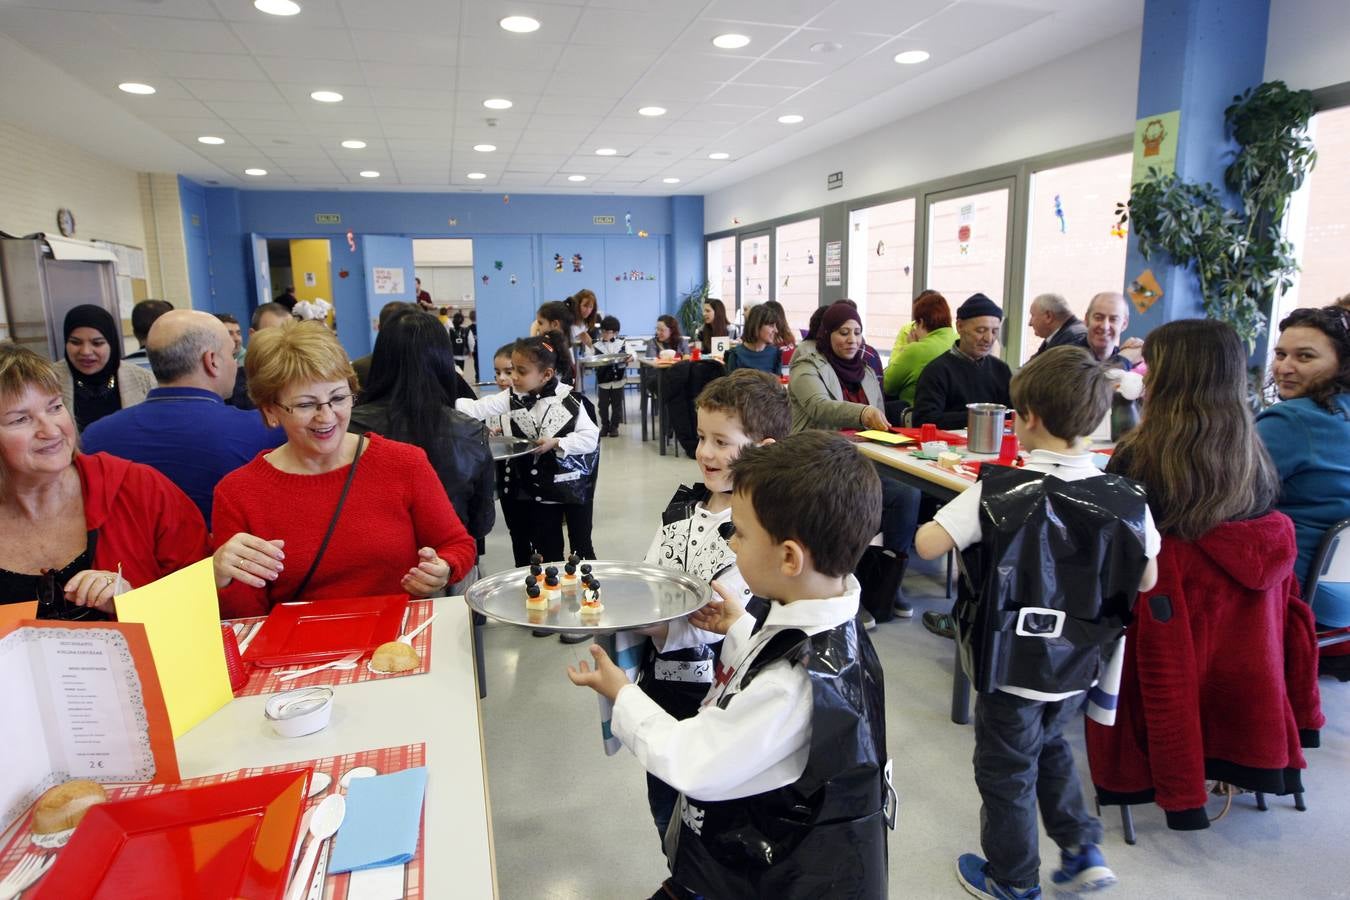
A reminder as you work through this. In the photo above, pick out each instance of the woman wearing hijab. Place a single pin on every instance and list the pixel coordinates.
(831, 387)
(95, 381)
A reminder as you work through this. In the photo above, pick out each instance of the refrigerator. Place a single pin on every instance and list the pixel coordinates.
(42, 277)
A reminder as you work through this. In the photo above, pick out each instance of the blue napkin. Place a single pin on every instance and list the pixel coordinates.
(384, 815)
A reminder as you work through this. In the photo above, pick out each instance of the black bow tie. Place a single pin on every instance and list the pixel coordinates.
(548, 390)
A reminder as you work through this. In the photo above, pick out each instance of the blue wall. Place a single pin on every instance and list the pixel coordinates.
(192, 199)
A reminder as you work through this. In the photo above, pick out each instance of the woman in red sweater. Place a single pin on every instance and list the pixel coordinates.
(396, 529)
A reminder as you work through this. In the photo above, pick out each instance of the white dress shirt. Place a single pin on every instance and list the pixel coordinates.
(762, 739)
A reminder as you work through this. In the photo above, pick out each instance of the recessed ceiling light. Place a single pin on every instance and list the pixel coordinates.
(210, 139)
(277, 7)
(605, 151)
(670, 180)
(354, 145)
(911, 57)
(519, 24)
(326, 96)
(652, 111)
(485, 148)
(790, 119)
(498, 103)
(719, 155)
(730, 41)
(576, 177)
(370, 173)
(255, 172)
(826, 47)
(476, 176)
(135, 87)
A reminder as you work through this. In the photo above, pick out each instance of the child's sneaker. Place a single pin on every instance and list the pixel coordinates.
(1082, 872)
(971, 871)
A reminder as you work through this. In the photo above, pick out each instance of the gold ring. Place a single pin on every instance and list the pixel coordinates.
(109, 580)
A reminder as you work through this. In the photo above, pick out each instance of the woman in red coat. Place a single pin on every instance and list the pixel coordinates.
(396, 530)
(1220, 675)
(70, 522)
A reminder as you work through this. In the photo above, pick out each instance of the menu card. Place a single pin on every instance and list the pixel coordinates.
(80, 700)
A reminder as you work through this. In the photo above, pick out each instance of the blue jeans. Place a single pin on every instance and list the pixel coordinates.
(899, 515)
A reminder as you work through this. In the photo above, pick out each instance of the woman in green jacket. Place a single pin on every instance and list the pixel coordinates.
(928, 337)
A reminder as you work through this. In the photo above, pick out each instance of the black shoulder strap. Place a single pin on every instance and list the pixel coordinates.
(332, 525)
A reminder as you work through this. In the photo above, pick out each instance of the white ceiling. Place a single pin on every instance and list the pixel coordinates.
(414, 74)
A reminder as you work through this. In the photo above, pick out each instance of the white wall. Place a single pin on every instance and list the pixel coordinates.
(1084, 97)
(1306, 46)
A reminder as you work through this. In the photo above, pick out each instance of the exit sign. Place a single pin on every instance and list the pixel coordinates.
(327, 219)
(834, 180)
(602, 220)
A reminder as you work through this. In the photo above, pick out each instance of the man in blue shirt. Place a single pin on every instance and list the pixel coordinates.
(184, 429)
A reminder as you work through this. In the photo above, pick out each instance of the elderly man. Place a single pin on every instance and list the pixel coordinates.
(1054, 323)
(1108, 315)
(968, 372)
(184, 429)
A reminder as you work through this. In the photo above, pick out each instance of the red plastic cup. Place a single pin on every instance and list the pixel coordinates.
(696, 353)
(928, 432)
(1008, 450)
(234, 663)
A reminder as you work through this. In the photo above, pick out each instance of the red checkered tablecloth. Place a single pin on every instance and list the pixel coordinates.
(263, 681)
(383, 761)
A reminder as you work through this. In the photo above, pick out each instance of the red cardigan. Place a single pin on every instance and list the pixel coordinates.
(1220, 675)
(144, 521)
(396, 505)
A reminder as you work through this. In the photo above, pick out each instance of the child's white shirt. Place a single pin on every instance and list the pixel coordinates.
(961, 520)
(762, 739)
(584, 438)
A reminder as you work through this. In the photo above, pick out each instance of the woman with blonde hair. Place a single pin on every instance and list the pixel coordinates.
(328, 513)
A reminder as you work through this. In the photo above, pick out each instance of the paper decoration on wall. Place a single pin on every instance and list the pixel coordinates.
(754, 259)
(506, 198)
(1119, 230)
(810, 258)
(635, 275)
(514, 279)
(343, 273)
(576, 262)
(311, 280)
(963, 239)
(642, 234)
(497, 264)
(485, 279)
(881, 248)
(351, 241)
(906, 270)
(557, 262)
(785, 280)
(787, 254)
(735, 221)
(628, 222)
(759, 288)
(1059, 214)
(452, 221)
(1145, 291)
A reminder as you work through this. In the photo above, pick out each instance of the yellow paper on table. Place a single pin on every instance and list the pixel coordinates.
(182, 622)
(886, 437)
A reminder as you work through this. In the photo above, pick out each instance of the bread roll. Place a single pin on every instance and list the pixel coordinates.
(394, 656)
(62, 807)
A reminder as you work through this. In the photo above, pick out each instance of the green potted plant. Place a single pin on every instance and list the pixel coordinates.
(690, 313)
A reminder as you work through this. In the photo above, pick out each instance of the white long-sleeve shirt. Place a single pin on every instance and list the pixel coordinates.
(762, 739)
(541, 420)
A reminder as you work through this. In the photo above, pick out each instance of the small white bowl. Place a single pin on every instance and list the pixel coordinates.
(299, 712)
(933, 448)
(666, 354)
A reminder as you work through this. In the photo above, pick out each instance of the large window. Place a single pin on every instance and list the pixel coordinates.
(968, 246)
(797, 270)
(1319, 219)
(754, 275)
(1072, 249)
(722, 271)
(881, 268)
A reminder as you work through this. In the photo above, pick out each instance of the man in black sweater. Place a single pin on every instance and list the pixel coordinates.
(967, 373)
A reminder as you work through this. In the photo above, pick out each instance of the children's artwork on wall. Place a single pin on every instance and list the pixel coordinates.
(1119, 230)
(906, 270)
(557, 262)
(576, 262)
(759, 288)
(881, 248)
(642, 234)
(343, 273)
(497, 264)
(810, 258)
(514, 279)
(628, 222)
(485, 279)
(1059, 214)
(785, 280)
(506, 198)
(351, 241)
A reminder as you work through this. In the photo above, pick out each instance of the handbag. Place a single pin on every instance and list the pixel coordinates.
(332, 525)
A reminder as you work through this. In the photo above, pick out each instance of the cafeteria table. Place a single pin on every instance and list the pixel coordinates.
(649, 375)
(439, 708)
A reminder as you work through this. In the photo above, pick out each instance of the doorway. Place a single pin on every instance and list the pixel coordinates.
(444, 270)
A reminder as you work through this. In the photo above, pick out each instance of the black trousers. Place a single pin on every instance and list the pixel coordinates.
(1021, 761)
(580, 523)
(534, 528)
(611, 408)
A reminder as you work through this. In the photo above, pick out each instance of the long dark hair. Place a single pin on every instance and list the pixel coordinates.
(1197, 450)
(413, 371)
(574, 301)
(673, 343)
(558, 311)
(549, 350)
(1334, 322)
(717, 327)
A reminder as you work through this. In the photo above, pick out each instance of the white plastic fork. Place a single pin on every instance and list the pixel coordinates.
(32, 867)
(290, 676)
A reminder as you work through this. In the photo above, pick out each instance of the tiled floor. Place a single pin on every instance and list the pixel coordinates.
(570, 822)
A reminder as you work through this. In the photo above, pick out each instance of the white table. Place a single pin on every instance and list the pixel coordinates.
(439, 709)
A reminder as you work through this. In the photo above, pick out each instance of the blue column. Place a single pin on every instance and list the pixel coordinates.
(1197, 55)
(687, 253)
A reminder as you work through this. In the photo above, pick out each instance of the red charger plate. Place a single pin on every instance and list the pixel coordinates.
(227, 840)
(298, 633)
(953, 440)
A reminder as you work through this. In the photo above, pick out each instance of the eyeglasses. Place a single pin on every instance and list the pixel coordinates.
(310, 407)
(52, 602)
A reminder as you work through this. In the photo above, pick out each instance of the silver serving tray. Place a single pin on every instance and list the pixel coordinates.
(505, 446)
(635, 595)
(608, 359)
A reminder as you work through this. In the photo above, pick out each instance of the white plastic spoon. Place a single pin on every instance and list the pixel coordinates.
(408, 638)
(325, 822)
(321, 865)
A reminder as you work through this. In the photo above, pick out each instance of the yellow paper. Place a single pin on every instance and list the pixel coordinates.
(182, 622)
(885, 437)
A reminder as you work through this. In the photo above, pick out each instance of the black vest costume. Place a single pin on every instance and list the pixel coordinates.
(1052, 581)
(824, 835)
(548, 477)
